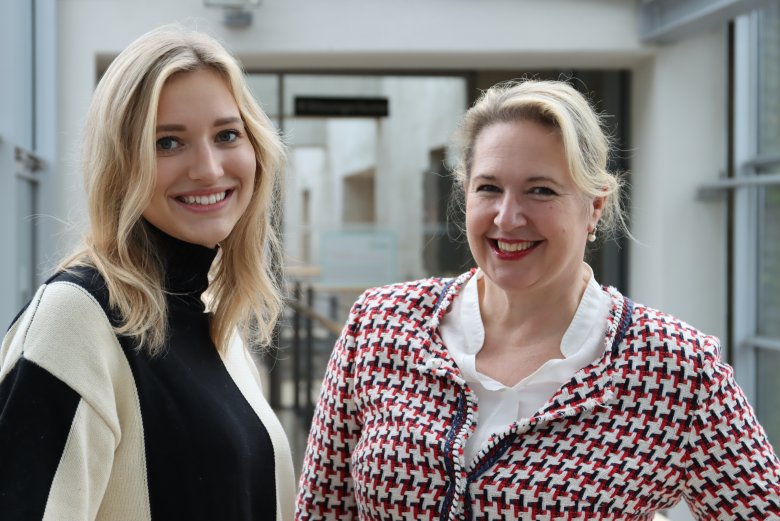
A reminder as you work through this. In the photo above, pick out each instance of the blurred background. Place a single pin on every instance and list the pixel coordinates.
(367, 94)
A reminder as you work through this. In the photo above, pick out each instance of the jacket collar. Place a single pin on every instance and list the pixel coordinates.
(590, 387)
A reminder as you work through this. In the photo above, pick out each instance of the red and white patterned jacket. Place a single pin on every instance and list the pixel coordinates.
(658, 418)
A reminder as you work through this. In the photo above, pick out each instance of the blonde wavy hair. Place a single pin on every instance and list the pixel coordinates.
(119, 168)
(560, 106)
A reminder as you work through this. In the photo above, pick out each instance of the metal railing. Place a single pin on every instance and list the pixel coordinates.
(305, 338)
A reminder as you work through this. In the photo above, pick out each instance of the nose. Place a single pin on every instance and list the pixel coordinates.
(206, 164)
(509, 214)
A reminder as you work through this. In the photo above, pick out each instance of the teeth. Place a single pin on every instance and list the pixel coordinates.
(204, 199)
(514, 246)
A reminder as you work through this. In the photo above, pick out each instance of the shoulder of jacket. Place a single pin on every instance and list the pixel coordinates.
(662, 328)
(67, 311)
(419, 298)
(66, 332)
(410, 290)
(86, 278)
(428, 285)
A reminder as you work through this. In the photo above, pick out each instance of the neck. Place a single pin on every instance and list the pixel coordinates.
(532, 313)
(185, 265)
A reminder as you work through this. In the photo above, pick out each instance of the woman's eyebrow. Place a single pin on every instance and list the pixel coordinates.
(171, 128)
(484, 177)
(227, 121)
(176, 127)
(543, 179)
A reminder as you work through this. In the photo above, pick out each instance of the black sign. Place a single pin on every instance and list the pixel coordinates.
(341, 107)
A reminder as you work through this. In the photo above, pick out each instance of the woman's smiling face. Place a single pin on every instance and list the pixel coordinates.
(526, 220)
(206, 164)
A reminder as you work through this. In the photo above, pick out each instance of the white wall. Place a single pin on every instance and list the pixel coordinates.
(679, 117)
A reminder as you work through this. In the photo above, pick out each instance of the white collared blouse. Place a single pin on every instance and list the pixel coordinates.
(463, 333)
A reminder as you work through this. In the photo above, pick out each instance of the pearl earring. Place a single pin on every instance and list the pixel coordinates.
(592, 236)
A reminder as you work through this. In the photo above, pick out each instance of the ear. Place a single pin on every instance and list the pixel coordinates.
(595, 209)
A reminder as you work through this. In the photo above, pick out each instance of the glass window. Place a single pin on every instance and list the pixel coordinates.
(769, 81)
(768, 306)
(357, 172)
(768, 369)
(445, 250)
(757, 214)
(768, 289)
(26, 197)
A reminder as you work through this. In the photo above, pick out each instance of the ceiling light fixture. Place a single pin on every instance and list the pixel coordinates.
(236, 14)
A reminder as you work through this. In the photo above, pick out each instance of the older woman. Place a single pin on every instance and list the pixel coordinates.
(125, 393)
(523, 389)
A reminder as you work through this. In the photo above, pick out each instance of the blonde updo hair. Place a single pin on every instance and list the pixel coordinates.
(119, 159)
(558, 105)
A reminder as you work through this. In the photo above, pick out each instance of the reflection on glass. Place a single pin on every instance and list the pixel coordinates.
(445, 251)
(768, 391)
(769, 81)
(769, 263)
(357, 178)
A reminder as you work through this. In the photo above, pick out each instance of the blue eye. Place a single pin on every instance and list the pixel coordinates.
(228, 136)
(167, 144)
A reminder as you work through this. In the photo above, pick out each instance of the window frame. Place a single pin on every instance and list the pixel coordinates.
(746, 185)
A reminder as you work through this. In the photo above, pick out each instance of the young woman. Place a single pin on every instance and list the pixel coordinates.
(522, 389)
(126, 387)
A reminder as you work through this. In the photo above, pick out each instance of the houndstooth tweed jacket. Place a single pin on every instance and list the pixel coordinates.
(658, 418)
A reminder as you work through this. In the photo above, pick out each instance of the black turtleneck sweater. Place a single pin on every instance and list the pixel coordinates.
(110, 429)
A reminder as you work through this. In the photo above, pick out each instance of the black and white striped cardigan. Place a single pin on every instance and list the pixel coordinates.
(658, 418)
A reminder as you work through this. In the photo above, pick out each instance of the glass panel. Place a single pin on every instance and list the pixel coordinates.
(769, 262)
(768, 389)
(769, 81)
(19, 76)
(25, 261)
(365, 176)
(445, 250)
